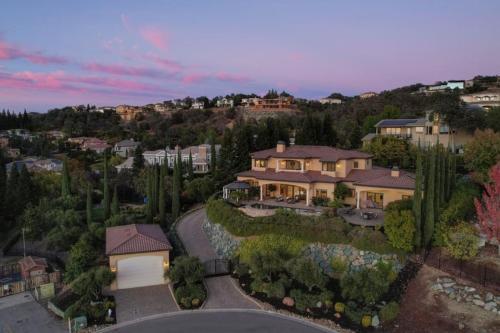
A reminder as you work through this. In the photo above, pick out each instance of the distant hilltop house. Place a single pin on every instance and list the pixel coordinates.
(90, 143)
(35, 164)
(301, 173)
(128, 164)
(198, 105)
(55, 135)
(125, 148)
(201, 156)
(128, 112)
(224, 103)
(424, 130)
(21, 133)
(448, 85)
(368, 94)
(487, 99)
(103, 109)
(32, 266)
(279, 103)
(328, 100)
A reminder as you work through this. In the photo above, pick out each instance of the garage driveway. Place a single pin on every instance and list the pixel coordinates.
(136, 303)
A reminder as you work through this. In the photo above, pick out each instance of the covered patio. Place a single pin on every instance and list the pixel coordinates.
(286, 193)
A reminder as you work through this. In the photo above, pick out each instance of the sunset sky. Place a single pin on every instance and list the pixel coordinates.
(108, 52)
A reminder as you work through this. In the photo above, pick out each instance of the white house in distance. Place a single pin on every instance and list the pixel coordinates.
(224, 103)
(328, 100)
(201, 156)
(125, 148)
(198, 105)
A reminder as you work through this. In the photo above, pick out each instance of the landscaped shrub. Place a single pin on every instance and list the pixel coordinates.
(398, 205)
(461, 204)
(303, 300)
(353, 313)
(276, 290)
(284, 246)
(188, 293)
(462, 241)
(319, 201)
(339, 267)
(307, 272)
(186, 270)
(339, 307)
(241, 269)
(371, 240)
(389, 312)
(399, 226)
(366, 320)
(367, 285)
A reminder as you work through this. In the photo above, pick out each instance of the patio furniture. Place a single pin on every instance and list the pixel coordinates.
(280, 198)
(290, 200)
(349, 211)
(369, 215)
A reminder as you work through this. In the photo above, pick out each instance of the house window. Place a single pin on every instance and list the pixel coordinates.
(406, 197)
(322, 194)
(260, 163)
(351, 193)
(419, 129)
(375, 199)
(444, 129)
(328, 166)
(290, 165)
(393, 130)
(428, 130)
(307, 165)
(356, 165)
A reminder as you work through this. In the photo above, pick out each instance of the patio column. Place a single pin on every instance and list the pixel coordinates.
(277, 165)
(262, 192)
(307, 197)
(358, 199)
(302, 166)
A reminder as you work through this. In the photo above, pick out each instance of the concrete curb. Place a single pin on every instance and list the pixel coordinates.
(194, 312)
(173, 296)
(244, 294)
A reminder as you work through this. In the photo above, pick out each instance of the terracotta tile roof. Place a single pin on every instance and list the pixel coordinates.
(375, 177)
(298, 177)
(29, 262)
(324, 153)
(136, 238)
(381, 177)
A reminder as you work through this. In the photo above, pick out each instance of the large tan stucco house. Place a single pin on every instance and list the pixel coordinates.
(421, 131)
(304, 172)
(138, 254)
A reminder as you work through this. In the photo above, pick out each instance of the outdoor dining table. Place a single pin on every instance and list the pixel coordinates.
(368, 215)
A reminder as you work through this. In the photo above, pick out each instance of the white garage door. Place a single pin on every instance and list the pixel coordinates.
(140, 272)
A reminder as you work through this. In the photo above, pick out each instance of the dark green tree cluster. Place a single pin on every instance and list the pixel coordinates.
(156, 193)
(316, 130)
(176, 188)
(434, 184)
(12, 120)
(106, 201)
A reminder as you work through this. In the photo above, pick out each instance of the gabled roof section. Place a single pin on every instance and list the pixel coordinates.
(136, 238)
(324, 153)
(396, 122)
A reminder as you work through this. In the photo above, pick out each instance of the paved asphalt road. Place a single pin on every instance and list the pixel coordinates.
(222, 293)
(22, 314)
(136, 303)
(220, 321)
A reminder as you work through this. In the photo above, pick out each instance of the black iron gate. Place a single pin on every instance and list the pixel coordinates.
(217, 267)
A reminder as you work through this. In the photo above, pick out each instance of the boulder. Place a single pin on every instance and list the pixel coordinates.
(288, 301)
(490, 306)
(375, 321)
(489, 297)
(478, 302)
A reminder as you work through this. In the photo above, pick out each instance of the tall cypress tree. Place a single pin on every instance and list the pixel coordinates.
(161, 194)
(3, 189)
(442, 183)
(417, 199)
(180, 167)
(430, 199)
(176, 191)
(66, 180)
(115, 204)
(213, 158)
(12, 193)
(106, 199)
(149, 196)
(89, 203)
(437, 182)
(24, 189)
(190, 167)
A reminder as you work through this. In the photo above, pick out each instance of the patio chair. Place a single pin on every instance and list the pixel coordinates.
(279, 198)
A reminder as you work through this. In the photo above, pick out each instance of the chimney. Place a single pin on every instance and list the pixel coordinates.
(280, 147)
(395, 171)
(202, 152)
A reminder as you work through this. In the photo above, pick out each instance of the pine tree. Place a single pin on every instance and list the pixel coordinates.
(430, 199)
(3, 188)
(328, 134)
(24, 189)
(176, 191)
(417, 199)
(66, 180)
(106, 199)
(115, 204)
(161, 194)
(89, 203)
(180, 166)
(190, 167)
(155, 185)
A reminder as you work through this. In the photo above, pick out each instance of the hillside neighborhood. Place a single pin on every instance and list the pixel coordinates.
(249, 166)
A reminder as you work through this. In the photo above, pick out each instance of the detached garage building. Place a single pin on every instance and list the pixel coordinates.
(138, 253)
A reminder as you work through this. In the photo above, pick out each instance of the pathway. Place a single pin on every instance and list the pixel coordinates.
(222, 291)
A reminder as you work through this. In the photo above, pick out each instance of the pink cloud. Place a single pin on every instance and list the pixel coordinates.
(11, 52)
(165, 63)
(155, 37)
(296, 56)
(194, 78)
(127, 70)
(223, 76)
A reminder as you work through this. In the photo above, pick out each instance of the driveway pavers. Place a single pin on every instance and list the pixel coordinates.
(136, 303)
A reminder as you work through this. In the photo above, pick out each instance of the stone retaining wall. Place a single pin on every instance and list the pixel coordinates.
(355, 259)
(224, 243)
